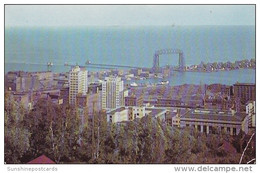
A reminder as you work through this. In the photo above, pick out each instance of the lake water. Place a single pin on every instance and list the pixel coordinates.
(178, 78)
(223, 77)
(30, 49)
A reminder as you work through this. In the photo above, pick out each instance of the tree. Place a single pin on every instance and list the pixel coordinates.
(54, 132)
(16, 134)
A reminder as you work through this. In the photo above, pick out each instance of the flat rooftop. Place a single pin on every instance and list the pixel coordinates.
(155, 111)
(172, 113)
(116, 110)
(246, 84)
(216, 116)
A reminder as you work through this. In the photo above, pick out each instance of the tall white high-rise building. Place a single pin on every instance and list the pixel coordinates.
(250, 110)
(78, 83)
(112, 92)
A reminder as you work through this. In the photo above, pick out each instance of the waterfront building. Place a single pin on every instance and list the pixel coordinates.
(145, 74)
(117, 72)
(245, 92)
(212, 121)
(136, 71)
(112, 93)
(78, 78)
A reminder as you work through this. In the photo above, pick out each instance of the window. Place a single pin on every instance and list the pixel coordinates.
(234, 131)
(211, 130)
(205, 129)
(199, 128)
(228, 129)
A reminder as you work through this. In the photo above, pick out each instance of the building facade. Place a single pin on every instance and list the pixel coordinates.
(133, 100)
(112, 93)
(245, 92)
(78, 78)
(173, 116)
(210, 121)
(130, 113)
(168, 102)
(250, 110)
(21, 81)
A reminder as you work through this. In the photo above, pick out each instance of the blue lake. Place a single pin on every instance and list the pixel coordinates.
(29, 49)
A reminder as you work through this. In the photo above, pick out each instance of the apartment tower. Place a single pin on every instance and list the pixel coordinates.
(112, 93)
(78, 78)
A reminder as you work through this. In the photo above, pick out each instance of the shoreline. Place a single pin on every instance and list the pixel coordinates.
(202, 71)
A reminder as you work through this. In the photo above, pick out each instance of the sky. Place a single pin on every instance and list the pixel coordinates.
(125, 15)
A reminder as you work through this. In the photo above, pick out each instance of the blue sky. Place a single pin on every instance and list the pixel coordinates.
(103, 15)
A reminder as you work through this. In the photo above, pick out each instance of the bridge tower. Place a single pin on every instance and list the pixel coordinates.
(181, 62)
(156, 64)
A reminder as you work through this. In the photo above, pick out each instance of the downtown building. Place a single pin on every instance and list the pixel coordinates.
(78, 78)
(215, 122)
(245, 92)
(112, 93)
(130, 113)
(251, 111)
(200, 120)
(133, 100)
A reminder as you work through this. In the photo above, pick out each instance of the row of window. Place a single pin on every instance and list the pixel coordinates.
(214, 130)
